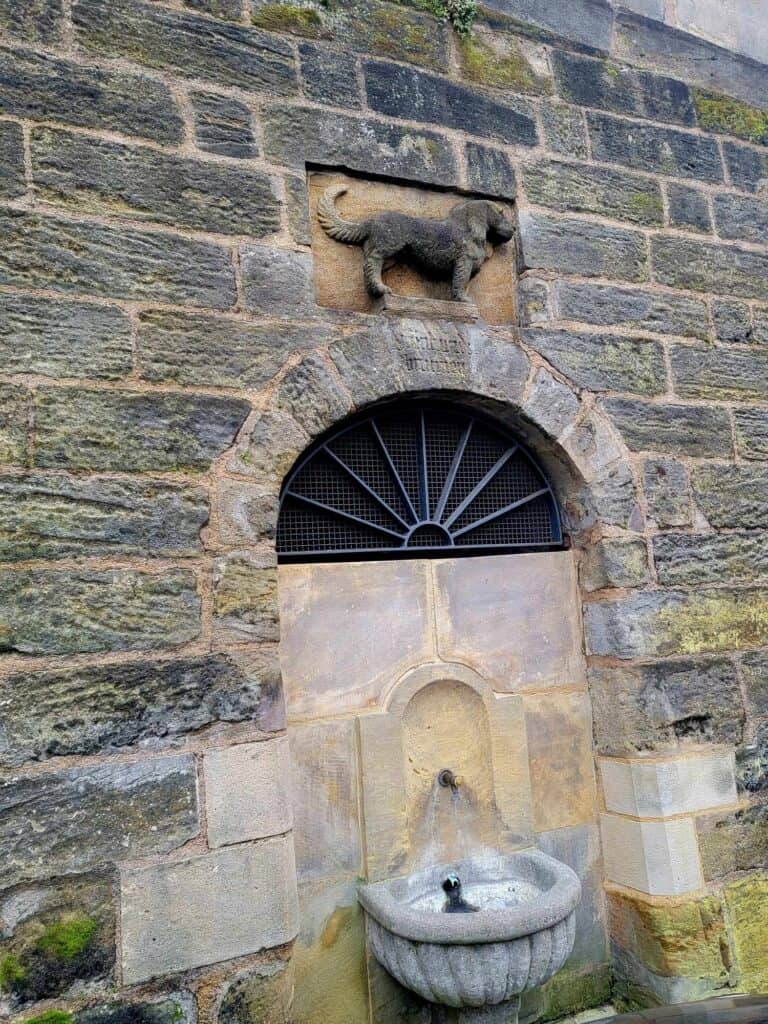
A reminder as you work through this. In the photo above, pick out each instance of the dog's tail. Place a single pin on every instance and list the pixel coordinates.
(349, 231)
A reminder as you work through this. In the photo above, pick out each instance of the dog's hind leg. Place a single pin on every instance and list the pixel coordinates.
(373, 264)
(462, 274)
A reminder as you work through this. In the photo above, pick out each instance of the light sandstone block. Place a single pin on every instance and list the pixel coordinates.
(225, 904)
(657, 857)
(660, 789)
(247, 792)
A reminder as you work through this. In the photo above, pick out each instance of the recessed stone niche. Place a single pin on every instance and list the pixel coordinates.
(338, 268)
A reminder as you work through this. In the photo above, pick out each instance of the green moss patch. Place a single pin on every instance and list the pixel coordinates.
(295, 19)
(11, 972)
(51, 1017)
(508, 70)
(719, 113)
(67, 939)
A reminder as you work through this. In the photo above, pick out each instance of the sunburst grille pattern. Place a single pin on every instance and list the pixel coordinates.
(417, 478)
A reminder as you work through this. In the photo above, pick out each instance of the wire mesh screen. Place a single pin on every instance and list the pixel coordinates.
(416, 478)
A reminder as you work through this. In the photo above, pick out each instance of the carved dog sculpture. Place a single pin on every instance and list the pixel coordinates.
(453, 248)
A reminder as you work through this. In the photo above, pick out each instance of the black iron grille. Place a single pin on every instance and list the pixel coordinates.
(416, 478)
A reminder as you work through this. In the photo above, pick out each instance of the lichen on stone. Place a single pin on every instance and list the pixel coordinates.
(296, 18)
(718, 113)
(482, 63)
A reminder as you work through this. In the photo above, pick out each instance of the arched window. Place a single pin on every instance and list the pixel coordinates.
(416, 478)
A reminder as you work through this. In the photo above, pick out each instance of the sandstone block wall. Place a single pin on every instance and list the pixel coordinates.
(163, 362)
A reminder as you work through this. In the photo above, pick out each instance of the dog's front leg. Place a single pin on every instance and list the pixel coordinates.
(462, 274)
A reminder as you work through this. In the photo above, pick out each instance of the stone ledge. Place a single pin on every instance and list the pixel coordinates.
(663, 788)
(422, 308)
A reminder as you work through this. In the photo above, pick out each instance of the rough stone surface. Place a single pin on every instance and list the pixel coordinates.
(655, 857)
(245, 600)
(747, 167)
(687, 559)
(747, 902)
(70, 610)
(192, 46)
(701, 266)
(14, 416)
(657, 706)
(735, 841)
(677, 429)
(40, 21)
(247, 792)
(659, 150)
(551, 404)
(263, 993)
(46, 515)
(741, 218)
(565, 130)
(107, 708)
(76, 256)
(96, 430)
(632, 308)
(666, 787)
(579, 247)
(162, 905)
(603, 362)
(490, 171)
(752, 433)
(667, 489)
(43, 87)
(732, 321)
(732, 496)
(573, 187)
(615, 563)
(503, 61)
(688, 208)
(534, 301)
(329, 76)
(755, 673)
(582, 21)
(223, 126)
(71, 820)
(12, 177)
(178, 1008)
(278, 282)
(64, 339)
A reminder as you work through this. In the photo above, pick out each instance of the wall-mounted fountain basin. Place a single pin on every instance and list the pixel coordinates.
(521, 933)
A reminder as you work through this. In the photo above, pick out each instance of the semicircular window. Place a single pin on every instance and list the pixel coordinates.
(416, 479)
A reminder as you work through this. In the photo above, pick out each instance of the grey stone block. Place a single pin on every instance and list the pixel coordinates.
(490, 171)
(223, 126)
(759, 333)
(36, 21)
(752, 433)
(47, 88)
(264, 991)
(329, 76)
(393, 88)
(615, 562)
(278, 282)
(74, 819)
(578, 247)
(232, 10)
(747, 166)
(534, 301)
(295, 136)
(12, 175)
(659, 150)
(720, 373)
(603, 362)
(247, 792)
(99, 429)
(688, 208)
(48, 515)
(181, 349)
(14, 414)
(741, 218)
(730, 842)
(184, 43)
(245, 605)
(575, 187)
(651, 707)
(71, 256)
(732, 496)
(622, 90)
(565, 130)
(633, 308)
(702, 266)
(101, 177)
(677, 429)
(176, 1008)
(754, 670)
(551, 405)
(667, 490)
(687, 559)
(106, 708)
(297, 201)
(732, 320)
(587, 22)
(84, 611)
(612, 498)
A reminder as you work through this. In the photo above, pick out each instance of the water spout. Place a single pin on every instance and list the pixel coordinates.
(446, 778)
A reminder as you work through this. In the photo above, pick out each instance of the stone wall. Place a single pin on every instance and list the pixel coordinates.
(165, 361)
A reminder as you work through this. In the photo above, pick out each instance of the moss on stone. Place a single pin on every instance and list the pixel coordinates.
(66, 939)
(460, 13)
(570, 992)
(51, 1017)
(482, 64)
(648, 202)
(723, 114)
(747, 902)
(296, 19)
(712, 622)
(11, 972)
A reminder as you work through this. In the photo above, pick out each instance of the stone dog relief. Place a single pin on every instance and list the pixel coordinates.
(338, 267)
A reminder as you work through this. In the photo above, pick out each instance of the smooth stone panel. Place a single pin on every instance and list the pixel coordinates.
(660, 789)
(247, 792)
(657, 857)
(225, 904)
(513, 618)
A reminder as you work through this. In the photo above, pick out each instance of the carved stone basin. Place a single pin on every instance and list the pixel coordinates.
(520, 935)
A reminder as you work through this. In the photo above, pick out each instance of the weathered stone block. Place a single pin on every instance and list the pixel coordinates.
(75, 256)
(747, 167)
(54, 516)
(747, 902)
(551, 404)
(724, 114)
(603, 362)
(134, 181)
(581, 21)
(295, 136)
(392, 88)
(56, 936)
(657, 706)
(40, 21)
(246, 895)
(329, 76)
(191, 46)
(490, 171)
(687, 559)
(732, 321)
(245, 600)
(278, 282)
(578, 247)
(107, 708)
(752, 433)
(656, 857)
(736, 841)
(64, 339)
(755, 673)
(247, 512)
(14, 413)
(223, 126)
(667, 490)
(498, 59)
(612, 497)
(678, 429)
(633, 308)
(232, 10)
(68, 611)
(659, 150)
(741, 218)
(615, 562)
(676, 622)
(752, 762)
(688, 208)
(180, 349)
(297, 202)
(665, 788)
(43, 88)
(585, 189)
(759, 333)
(684, 263)
(621, 89)
(732, 496)
(534, 301)
(565, 130)
(12, 175)
(263, 993)
(178, 1008)
(99, 429)
(247, 792)
(68, 821)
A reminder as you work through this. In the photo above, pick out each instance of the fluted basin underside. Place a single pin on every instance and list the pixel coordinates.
(521, 935)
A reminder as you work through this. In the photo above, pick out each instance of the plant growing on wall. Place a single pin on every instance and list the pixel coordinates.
(460, 13)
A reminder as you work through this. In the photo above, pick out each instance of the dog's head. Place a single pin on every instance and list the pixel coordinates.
(486, 216)
(500, 227)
